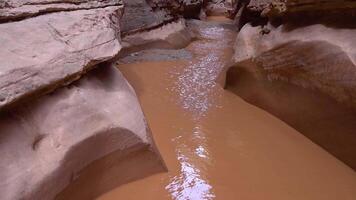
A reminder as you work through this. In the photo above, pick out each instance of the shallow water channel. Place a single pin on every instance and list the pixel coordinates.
(217, 146)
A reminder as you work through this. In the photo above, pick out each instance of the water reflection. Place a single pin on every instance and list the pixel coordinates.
(195, 86)
(190, 183)
(196, 82)
(201, 152)
(213, 32)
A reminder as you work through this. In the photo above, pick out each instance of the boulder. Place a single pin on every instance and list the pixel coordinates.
(43, 53)
(76, 142)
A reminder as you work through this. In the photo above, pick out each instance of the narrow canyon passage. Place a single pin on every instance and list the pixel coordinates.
(215, 145)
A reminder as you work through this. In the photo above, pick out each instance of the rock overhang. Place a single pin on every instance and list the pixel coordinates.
(48, 51)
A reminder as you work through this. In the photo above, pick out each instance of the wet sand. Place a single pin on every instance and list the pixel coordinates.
(217, 146)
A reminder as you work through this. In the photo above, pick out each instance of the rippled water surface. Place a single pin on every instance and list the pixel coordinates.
(215, 145)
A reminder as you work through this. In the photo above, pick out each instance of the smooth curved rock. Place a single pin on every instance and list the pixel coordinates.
(303, 74)
(174, 35)
(51, 143)
(43, 53)
(325, 57)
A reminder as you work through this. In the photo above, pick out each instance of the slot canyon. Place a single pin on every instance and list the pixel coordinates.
(178, 99)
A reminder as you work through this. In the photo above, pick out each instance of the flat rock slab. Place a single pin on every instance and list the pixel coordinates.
(56, 137)
(19, 9)
(43, 53)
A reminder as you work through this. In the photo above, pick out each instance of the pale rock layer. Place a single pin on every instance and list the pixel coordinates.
(19, 9)
(42, 53)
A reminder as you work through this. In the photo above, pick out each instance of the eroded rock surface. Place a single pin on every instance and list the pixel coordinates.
(315, 56)
(87, 136)
(301, 70)
(47, 144)
(45, 52)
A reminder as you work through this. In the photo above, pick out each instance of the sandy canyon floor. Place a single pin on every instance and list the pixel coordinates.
(215, 145)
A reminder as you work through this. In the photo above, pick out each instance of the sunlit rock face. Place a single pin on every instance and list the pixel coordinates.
(299, 63)
(82, 137)
(44, 52)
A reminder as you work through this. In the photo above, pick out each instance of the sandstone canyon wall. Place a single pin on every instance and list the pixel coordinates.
(71, 126)
(297, 60)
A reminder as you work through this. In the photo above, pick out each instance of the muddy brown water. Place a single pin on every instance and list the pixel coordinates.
(324, 120)
(217, 146)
